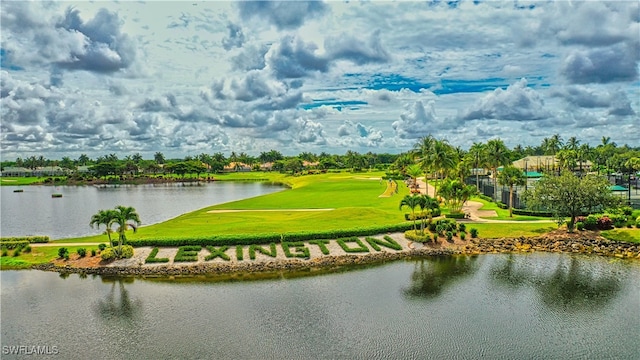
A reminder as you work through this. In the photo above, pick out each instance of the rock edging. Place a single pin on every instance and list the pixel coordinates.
(583, 244)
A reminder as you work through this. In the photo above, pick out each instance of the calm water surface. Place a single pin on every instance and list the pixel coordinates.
(34, 212)
(537, 306)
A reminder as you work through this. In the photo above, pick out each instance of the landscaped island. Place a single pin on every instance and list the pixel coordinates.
(335, 217)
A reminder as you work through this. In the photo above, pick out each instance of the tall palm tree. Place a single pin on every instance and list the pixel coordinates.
(476, 154)
(512, 176)
(126, 217)
(103, 217)
(414, 171)
(428, 205)
(423, 150)
(443, 159)
(572, 143)
(412, 202)
(497, 155)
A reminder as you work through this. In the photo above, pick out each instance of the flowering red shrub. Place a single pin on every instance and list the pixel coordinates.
(604, 223)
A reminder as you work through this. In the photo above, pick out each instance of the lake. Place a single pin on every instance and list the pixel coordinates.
(35, 212)
(533, 306)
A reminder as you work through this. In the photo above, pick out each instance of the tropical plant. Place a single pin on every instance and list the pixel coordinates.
(103, 217)
(125, 217)
(512, 176)
(427, 205)
(414, 171)
(412, 202)
(456, 194)
(477, 155)
(497, 155)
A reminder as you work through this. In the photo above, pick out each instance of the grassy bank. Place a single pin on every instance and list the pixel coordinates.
(332, 201)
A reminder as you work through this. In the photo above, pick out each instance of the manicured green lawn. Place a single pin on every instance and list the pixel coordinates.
(503, 214)
(625, 234)
(16, 181)
(511, 230)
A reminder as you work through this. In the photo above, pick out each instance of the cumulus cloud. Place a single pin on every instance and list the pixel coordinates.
(282, 14)
(580, 96)
(518, 102)
(357, 134)
(602, 65)
(348, 47)
(416, 121)
(310, 132)
(250, 58)
(293, 58)
(67, 41)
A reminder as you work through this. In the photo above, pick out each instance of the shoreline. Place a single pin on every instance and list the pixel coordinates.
(555, 242)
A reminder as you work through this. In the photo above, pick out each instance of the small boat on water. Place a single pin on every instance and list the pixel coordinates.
(56, 195)
(18, 190)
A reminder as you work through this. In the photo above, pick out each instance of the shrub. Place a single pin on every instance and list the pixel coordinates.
(4, 252)
(322, 244)
(220, 252)
(432, 227)
(10, 245)
(102, 246)
(580, 225)
(153, 259)
(473, 232)
(93, 252)
(462, 228)
(82, 252)
(387, 242)
(187, 253)
(127, 252)
(29, 239)
(16, 252)
(638, 224)
(591, 222)
(463, 236)
(459, 215)
(449, 236)
(27, 249)
(605, 223)
(502, 205)
(360, 246)
(301, 251)
(108, 254)
(62, 252)
(417, 237)
(271, 252)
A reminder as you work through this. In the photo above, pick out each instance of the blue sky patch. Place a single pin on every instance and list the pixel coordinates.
(336, 104)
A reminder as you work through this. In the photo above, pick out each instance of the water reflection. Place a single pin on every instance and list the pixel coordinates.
(571, 284)
(432, 276)
(118, 304)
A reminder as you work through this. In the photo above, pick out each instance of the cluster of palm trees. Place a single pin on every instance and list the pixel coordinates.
(124, 217)
(427, 205)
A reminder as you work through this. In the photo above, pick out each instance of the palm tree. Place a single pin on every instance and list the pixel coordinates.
(159, 158)
(423, 150)
(476, 153)
(572, 143)
(443, 159)
(103, 217)
(512, 176)
(411, 201)
(125, 217)
(414, 171)
(428, 205)
(497, 155)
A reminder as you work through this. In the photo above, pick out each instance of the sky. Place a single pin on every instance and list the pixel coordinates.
(191, 77)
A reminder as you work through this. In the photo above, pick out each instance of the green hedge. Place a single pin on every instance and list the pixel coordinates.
(343, 242)
(422, 215)
(153, 259)
(187, 253)
(456, 215)
(271, 252)
(9, 245)
(532, 212)
(264, 239)
(30, 239)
